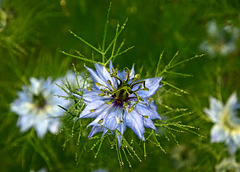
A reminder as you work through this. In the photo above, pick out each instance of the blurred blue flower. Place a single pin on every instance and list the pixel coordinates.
(3, 19)
(227, 123)
(228, 164)
(220, 41)
(37, 106)
(119, 100)
(182, 157)
(100, 170)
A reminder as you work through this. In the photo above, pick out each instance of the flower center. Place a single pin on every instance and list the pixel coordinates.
(229, 124)
(39, 101)
(125, 88)
(123, 94)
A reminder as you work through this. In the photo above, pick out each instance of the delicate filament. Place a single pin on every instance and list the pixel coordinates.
(115, 76)
(138, 98)
(109, 82)
(98, 84)
(127, 71)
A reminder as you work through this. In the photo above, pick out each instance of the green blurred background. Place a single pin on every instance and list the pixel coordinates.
(34, 32)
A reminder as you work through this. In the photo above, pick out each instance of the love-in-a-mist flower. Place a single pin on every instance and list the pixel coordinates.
(228, 164)
(220, 41)
(3, 19)
(37, 106)
(182, 157)
(226, 122)
(119, 100)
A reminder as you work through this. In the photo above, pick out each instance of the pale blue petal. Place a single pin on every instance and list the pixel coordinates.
(94, 130)
(232, 101)
(21, 107)
(41, 126)
(101, 116)
(215, 110)
(153, 105)
(152, 84)
(111, 71)
(24, 96)
(146, 110)
(111, 66)
(35, 85)
(132, 74)
(89, 96)
(232, 148)
(104, 74)
(97, 79)
(134, 121)
(236, 138)
(149, 123)
(218, 134)
(98, 106)
(110, 121)
(121, 75)
(25, 122)
(53, 126)
(121, 128)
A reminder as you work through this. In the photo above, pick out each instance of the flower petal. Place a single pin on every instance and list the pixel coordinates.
(25, 122)
(121, 128)
(53, 126)
(89, 96)
(134, 121)
(232, 101)
(105, 75)
(132, 73)
(94, 130)
(101, 116)
(111, 66)
(146, 110)
(113, 118)
(93, 109)
(152, 84)
(232, 147)
(149, 123)
(215, 109)
(236, 137)
(41, 126)
(218, 134)
(122, 75)
(21, 107)
(97, 79)
(35, 85)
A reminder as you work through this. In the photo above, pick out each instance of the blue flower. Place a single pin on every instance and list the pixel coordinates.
(227, 123)
(220, 41)
(119, 100)
(3, 19)
(228, 164)
(37, 106)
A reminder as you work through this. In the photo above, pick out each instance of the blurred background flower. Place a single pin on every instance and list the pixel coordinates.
(228, 164)
(37, 106)
(226, 122)
(182, 157)
(220, 41)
